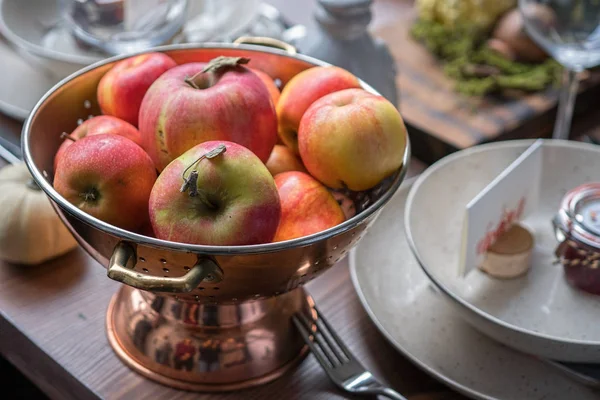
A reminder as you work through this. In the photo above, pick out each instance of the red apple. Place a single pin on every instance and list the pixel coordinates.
(231, 201)
(304, 89)
(282, 159)
(307, 207)
(108, 177)
(352, 139)
(269, 83)
(100, 125)
(122, 88)
(197, 102)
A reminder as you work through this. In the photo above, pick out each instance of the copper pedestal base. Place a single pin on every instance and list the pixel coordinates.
(204, 347)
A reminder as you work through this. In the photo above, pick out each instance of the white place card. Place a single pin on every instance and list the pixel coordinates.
(509, 198)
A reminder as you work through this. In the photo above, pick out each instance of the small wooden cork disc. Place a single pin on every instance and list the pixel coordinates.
(509, 255)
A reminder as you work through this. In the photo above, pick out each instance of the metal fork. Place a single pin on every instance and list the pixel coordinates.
(336, 359)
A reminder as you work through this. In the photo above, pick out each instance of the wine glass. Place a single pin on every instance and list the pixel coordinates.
(123, 26)
(569, 30)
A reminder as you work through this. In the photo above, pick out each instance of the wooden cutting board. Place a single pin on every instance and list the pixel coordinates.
(441, 120)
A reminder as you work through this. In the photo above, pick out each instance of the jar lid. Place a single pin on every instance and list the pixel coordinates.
(579, 213)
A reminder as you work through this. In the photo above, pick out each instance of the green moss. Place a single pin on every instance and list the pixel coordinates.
(476, 69)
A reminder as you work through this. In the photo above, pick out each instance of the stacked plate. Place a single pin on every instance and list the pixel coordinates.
(488, 338)
(38, 50)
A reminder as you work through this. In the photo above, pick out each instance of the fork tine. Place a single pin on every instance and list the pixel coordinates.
(323, 343)
(306, 335)
(334, 335)
(331, 342)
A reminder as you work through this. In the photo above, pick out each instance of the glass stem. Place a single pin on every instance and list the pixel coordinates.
(566, 103)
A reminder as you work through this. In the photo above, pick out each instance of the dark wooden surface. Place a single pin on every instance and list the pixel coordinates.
(441, 120)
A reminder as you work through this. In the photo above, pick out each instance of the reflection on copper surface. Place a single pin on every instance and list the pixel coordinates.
(193, 345)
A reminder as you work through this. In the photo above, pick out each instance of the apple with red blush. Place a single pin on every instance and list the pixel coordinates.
(216, 193)
(199, 102)
(302, 91)
(307, 206)
(352, 139)
(99, 125)
(122, 88)
(282, 159)
(109, 177)
(269, 83)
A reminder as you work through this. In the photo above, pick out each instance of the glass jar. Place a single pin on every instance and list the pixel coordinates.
(577, 228)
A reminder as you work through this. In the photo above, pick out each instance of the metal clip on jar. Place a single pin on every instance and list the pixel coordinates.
(577, 228)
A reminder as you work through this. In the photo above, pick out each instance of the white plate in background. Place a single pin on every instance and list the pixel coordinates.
(420, 323)
(539, 313)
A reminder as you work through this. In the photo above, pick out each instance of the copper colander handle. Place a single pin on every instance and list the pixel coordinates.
(121, 269)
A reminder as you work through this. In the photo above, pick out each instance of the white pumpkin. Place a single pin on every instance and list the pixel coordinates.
(30, 230)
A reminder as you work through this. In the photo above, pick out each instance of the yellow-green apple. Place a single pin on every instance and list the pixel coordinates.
(304, 89)
(122, 88)
(198, 102)
(100, 125)
(269, 83)
(217, 193)
(109, 177)
(282, 159)
(352, 139)
(307, 206)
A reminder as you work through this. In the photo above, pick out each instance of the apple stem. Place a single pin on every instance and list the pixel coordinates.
(191, 182)
(190, 81)
(215, 65)
(223, 62)
(65, 135)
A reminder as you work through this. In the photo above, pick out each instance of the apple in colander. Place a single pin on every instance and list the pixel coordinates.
(199, 102)
(217, 193)
(109, 177)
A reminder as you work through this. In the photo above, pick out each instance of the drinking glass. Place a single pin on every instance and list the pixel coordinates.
(124, 26)
(569, 30)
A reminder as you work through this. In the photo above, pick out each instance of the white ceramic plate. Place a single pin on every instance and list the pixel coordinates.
(417, 320)
(539, 313)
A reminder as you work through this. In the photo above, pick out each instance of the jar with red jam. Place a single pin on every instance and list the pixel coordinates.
(577, 228)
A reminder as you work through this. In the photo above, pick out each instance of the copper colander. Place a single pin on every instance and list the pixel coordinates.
(219, 280)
